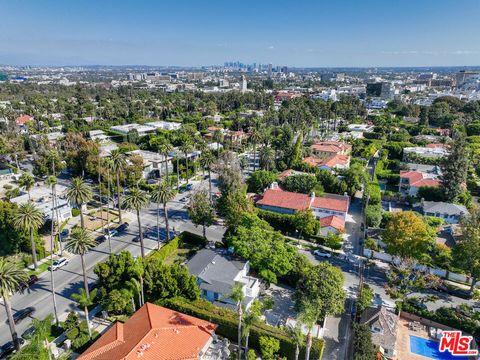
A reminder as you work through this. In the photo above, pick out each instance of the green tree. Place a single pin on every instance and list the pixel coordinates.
(297, 153)
(309, 316)
(118, 302)
(84, 300)
(207, 160)
(297, 336)
(269, 347)
(29, 218)
(306, 223)
(136, 200)
(252, 315)
(162, 194)
(80, 243)
(267, 158)
(407, 235)
(26, 182)
(118, 164)
(362, 343)
(454, 168)
(365, 299)
(260, 180)
(322, 287)
(201, 211)
(466, 253)
(302, 183)
(79, 194)
(186, 148)
(255, 138)
(10, 276)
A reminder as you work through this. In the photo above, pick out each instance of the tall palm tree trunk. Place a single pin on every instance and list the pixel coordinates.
(88, 322)
(82, 220)
(142, 295)
(158, 226)
(167, 225)
(309, 345)
(52, 280)
(11, 323)
(118, 199)
(178, 175)
(209, 184)
(247, 337)
(85, 280)
(254, 157)
(34, 250)
(186, 166)
(140, 233)
(166, 166)
(297, 351)
(239, 331)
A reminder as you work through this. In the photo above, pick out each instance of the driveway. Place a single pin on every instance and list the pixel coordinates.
(283, 305)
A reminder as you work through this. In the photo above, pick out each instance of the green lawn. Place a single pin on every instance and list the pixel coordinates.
(41, 268)
(181, 254)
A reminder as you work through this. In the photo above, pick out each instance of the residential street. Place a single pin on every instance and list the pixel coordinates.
(69, 278)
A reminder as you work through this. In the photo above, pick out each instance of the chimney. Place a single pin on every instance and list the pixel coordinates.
(274, 185)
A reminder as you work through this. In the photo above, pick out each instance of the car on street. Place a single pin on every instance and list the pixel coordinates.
(27, 334)
(322, 253)
(136, 239)
(57, 264)
(9, 347)
(64, 234)
(122, 228)
(111, 232)
(189, 187)
(100, 239)
(22, 314)
(30, 281)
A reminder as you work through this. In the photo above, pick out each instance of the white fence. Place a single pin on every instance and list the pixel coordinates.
(371, 254)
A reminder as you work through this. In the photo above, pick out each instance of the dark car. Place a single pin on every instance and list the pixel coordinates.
(9, 347)
(24, 284)
(22, 314)
(100, 239)
(64, 234)
(136, 239)
(461, 293)
(27, 334)
(122, 227)
(111, 232)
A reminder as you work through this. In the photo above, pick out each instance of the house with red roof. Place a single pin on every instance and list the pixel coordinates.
(337, 161)
(156, 333)
(285, 202)
(327, 149)
(332, 224)
(411, 181)
(23, 119)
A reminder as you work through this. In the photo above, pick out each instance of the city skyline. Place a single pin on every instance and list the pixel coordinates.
(186, 33)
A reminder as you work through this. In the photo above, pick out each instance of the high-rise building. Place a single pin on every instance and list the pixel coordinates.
(269, 70)
(463, 75)
(383, 90)
(244, 84)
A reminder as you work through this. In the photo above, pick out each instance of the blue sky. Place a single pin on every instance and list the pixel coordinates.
(204, 32)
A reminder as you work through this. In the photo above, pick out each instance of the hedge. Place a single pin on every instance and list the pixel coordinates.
(166, 250)
(446, 316)
(373, 189)
(281, 222)
(227, 322)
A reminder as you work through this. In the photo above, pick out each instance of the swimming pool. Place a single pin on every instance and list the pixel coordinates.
(429, 349)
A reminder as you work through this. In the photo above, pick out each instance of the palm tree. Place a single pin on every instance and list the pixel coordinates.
(11, 275)
(80, 243)
(267, 158)
(37, 347)
(118, 163)
(207, 160)
(26, 182)
(297, 336)
(135, 289)
(29, 218)
(251, 317)
(255, 137)
(52, 181)
(136, 200)
(164, 149)
(79, 193)
(139, 270)
(163, 194)
(84, 300)
(186, 148)
(238, 296)
(309, 317)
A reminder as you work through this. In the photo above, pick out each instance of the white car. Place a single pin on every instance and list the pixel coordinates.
(322, 253)
(57, 264)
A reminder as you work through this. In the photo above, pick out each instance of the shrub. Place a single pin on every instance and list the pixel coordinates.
(166, 250)
(75, 212)
(373, 215)
(269, 346)
(373, 189)
(302, 222)
(227, 322)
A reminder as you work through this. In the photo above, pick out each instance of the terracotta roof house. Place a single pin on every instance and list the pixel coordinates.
(411, 181)
(330, 148)
(154, 332)
(290, 172)
(285, 202)
(332, 224)
(337, 161)
(21, 121)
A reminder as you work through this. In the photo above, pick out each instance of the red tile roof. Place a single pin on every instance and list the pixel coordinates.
(331, 147)
(436, 146)
(333, 221)
(153, 332)
(417, 179)
(335, 160)
(296, 201)
(22, 120)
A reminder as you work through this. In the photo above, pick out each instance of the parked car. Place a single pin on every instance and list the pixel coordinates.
(454, 291)
(64, 234)
(57, 264)
(30, 281)
(111, 232)
(100, 239)
(9, 347)
(22, 314)
(136, 239)
(189, 187)
(27, 334)
(122, 228)
(418, 304)
(322, 253)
